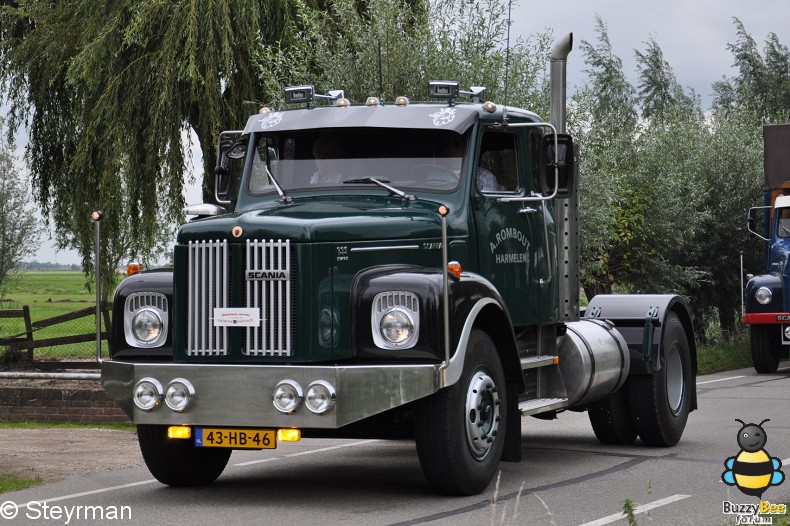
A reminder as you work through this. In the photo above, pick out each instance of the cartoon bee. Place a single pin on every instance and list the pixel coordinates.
(752, 470)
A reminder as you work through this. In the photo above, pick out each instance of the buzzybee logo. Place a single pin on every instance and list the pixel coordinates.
(752, 470)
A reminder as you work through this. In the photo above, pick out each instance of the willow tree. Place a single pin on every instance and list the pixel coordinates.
(108, 91)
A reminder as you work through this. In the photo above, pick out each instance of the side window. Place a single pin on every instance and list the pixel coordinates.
(498, 169)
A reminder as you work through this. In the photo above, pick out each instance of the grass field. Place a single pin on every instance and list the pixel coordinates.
(49, 294)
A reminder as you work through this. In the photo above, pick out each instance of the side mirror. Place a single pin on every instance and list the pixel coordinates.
(752, 221)
(564, 159)
(227, 171)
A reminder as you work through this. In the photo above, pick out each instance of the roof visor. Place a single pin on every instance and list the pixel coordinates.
(455, 118)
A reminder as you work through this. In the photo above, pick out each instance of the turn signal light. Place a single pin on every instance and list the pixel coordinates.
(181, 432)
(133, 268)
(289, 435)
(454, 268)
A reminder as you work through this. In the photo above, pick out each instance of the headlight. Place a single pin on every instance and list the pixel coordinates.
(395, 320)
(148, 394)
(397, 326)
(320, 397)
(145, 319)
(179, 394)
(147, 326)
(287, 396)
(763, 295)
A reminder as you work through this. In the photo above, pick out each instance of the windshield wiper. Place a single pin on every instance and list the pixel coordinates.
(285, 198)
(383, 184)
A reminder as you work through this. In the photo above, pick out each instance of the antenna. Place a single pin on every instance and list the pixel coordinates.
(507, 60)
(381, 81)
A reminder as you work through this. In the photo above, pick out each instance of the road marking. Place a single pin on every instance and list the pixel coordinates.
(639, 509)
(721, 379)
(301, 453)
(151, 481)
(94, 492)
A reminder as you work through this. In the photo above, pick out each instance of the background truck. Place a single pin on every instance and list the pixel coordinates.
(390, 269)
(766, 300)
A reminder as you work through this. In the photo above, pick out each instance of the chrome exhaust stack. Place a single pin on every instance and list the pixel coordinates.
(566, 210)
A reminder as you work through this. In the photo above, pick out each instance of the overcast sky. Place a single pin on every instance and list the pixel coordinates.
(693, 34)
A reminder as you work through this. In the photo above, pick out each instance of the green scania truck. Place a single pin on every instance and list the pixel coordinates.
(390, 269)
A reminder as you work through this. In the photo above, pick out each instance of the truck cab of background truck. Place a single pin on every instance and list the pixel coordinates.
(767, 296)
(390, 269)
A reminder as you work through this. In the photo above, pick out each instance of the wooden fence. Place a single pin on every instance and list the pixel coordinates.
(26, 341)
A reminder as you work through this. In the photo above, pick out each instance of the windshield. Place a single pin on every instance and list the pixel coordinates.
(783, 222)
(427, 160)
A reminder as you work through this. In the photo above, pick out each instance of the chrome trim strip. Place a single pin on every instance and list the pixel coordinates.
(452, 372)
(376, 249)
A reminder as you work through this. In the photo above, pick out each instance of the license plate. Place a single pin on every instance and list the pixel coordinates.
(235, 438)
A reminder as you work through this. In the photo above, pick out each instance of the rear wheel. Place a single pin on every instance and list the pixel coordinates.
(460, 431)
(179, 462)
(766, 346)
(661, 402)
(611, 419)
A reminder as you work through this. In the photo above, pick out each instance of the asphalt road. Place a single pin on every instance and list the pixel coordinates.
(566, 477)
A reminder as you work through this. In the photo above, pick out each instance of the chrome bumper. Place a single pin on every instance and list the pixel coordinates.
(241, 395)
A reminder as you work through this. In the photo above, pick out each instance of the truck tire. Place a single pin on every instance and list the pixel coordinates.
(766, 348)
(460, 431)
(611, 419)
(660, 402)
(179, 462)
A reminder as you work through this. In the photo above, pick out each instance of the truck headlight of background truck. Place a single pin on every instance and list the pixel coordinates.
(763, 295)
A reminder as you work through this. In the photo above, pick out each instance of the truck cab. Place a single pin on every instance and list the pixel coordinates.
(389, 269)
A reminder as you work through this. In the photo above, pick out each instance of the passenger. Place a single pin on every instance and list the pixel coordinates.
(328, 153)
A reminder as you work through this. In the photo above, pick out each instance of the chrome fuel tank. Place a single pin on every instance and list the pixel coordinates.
(593, 359)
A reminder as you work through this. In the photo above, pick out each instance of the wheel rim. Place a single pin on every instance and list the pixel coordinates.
(675, 384)
(481, 414)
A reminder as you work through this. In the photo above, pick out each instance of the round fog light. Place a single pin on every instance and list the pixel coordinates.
(397, 326)
(148, 394)
(763, 295)
(320, 397)
(287, 396)
(179, 394)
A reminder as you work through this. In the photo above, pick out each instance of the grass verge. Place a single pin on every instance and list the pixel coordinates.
(65, 425)
(14, 482)
(724, 356)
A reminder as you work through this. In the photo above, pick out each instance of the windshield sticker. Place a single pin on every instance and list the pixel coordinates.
(271, 120)
(443, 116)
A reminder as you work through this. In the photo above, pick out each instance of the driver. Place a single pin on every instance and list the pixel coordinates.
(486, 181)
(328, 152)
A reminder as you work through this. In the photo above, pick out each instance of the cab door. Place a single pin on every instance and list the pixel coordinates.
(512, 237)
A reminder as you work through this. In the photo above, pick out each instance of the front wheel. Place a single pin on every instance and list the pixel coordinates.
(179, 462)
(661, 402)
(460, 431)
(766, 346)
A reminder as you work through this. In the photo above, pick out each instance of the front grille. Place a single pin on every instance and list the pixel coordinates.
(265, 275)
(208, 287)
(268, 287)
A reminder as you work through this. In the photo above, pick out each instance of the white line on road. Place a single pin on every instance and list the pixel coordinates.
(639, 509)
(151, 481)
(721, 379)
(94, 492)
(311, 452)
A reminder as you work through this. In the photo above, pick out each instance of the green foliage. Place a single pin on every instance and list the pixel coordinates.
(15, 482)
(628, 511)
(19, 230)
